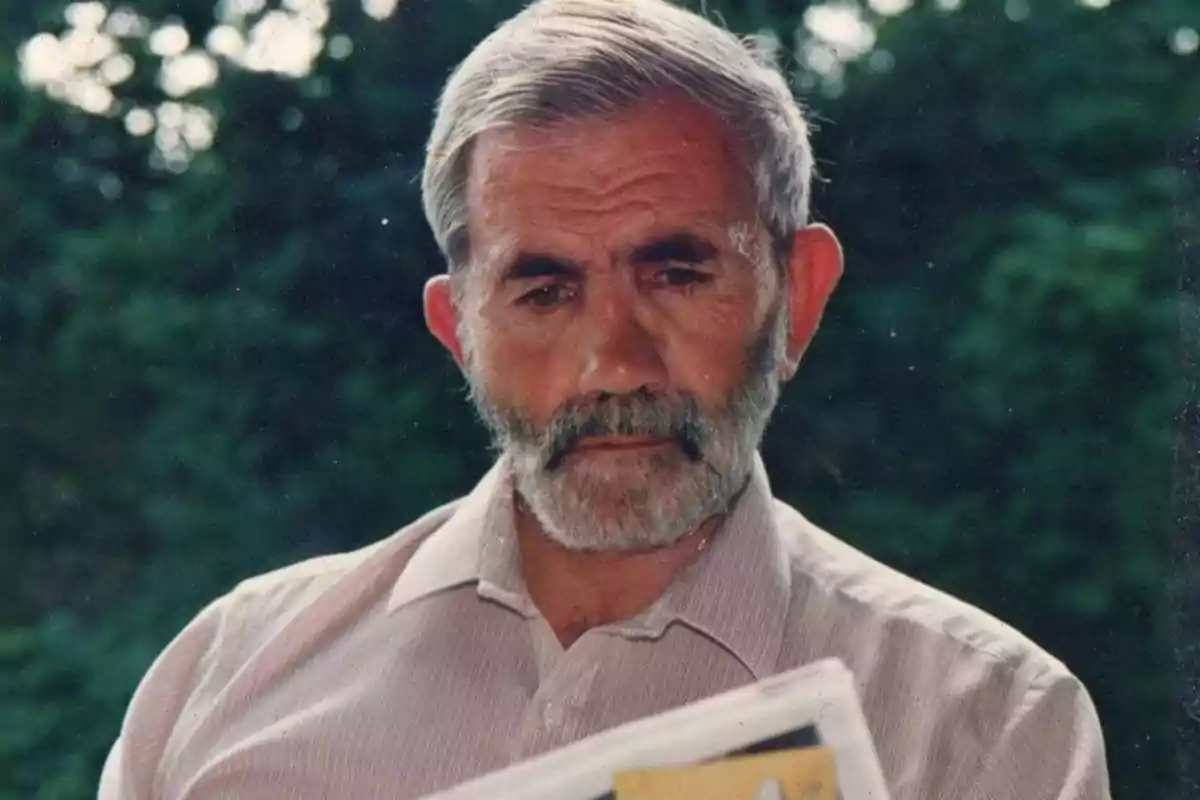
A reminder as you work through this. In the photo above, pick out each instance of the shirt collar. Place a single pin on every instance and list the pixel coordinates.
(469, 544)
(736, 593)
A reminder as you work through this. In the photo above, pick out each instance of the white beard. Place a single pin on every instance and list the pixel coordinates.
(632, 500)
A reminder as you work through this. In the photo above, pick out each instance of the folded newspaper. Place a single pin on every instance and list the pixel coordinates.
(797, 735)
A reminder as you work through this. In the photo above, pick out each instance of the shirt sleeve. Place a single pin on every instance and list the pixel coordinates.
(1051, 748)
(134, 763)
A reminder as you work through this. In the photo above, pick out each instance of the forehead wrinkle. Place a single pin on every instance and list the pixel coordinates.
(587, 194)
(608, 166)
(600, 195)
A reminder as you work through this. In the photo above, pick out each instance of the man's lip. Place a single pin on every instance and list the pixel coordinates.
(620, 442)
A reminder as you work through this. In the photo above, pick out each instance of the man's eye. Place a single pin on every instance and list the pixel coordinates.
(681, 276)
(548, 296)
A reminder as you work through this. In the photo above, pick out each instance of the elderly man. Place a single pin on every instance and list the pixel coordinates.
(620, 189)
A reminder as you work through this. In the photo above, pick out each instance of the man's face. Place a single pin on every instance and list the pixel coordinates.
(621, 324)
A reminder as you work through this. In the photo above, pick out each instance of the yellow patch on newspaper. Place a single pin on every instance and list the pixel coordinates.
(803, 774)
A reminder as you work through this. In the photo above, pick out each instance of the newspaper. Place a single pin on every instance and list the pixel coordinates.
(812, 707)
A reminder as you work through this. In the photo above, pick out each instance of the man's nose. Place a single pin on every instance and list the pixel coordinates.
(620, 352)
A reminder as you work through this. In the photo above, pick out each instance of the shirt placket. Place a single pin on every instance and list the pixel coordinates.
(557, 712)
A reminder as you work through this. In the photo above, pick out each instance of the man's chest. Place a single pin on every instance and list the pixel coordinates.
(403, 716)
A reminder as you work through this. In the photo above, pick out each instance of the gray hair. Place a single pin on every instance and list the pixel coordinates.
(560, 60)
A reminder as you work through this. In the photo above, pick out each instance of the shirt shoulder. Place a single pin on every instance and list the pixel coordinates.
(261, 621)
(270, 600)
(853, 586)
(960, 704)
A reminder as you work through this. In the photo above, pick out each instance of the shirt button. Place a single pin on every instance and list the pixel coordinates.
(552, 715)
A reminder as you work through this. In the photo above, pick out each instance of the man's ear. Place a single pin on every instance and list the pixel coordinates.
(814, 269)
(441, 316)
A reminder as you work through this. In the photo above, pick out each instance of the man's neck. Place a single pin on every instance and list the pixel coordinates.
(577, 591)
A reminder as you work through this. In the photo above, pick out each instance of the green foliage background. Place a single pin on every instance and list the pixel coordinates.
(208, 374)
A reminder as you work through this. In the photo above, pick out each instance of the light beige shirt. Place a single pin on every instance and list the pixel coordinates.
(420, 661)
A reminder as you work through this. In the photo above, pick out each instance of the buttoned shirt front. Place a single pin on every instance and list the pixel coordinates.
(420, 662)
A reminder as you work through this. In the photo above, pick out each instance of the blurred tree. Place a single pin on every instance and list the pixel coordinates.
(215, 362)
(210, 373)
(1185, 580)
(1006, 335)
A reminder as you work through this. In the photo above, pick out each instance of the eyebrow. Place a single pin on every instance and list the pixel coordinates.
(680, 246)
(528, 266)
(686, 247)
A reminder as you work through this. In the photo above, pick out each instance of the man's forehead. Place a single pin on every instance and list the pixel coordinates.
(744, 237)
(670, 121)
(524, 179)
(677, 151)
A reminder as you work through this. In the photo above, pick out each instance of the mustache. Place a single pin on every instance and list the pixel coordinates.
(641, 413)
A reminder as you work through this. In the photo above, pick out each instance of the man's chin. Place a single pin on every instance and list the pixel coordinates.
(624, 533)
(590, 505)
